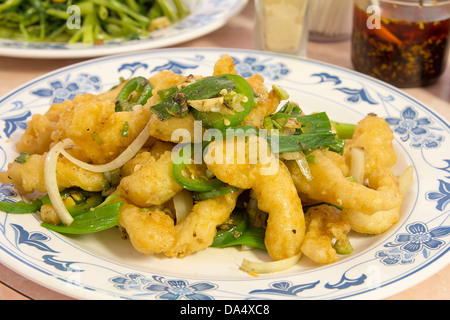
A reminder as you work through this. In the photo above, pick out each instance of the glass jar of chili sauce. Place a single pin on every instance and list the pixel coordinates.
(402, 42)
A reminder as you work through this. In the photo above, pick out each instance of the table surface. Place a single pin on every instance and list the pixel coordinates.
(237, 33)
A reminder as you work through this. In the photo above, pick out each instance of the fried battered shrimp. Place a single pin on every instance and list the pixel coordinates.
(37, 136)
(267, 102)
(197, 231)
(380, 221)
(100, 132)
(163, 80)
(150, 231)
(151, 182)
(323, 224)
(330, 185)
(339, 161)
(145, 155)
(29, 176)
(376, 223)
(164, 129)
(160, 147)
(374, 136)
(225, 65)
(273, 187)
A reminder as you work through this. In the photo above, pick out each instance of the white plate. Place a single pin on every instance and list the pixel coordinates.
(103, 266)
(206, 16)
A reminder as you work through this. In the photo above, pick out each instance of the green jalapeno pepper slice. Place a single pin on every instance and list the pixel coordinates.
(234, 227)
(20, 206)
(225, 189)
(143, 89)
(175, 101)
(236, 231)
(192, 176)
(245, 97)
(77, 202)
(101, 218)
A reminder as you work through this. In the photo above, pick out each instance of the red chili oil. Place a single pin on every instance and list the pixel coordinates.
(405, 54)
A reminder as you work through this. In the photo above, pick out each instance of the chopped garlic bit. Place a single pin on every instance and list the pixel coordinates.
(49, 215)
(207, 105)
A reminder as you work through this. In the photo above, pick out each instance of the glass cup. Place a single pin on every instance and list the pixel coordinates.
(282, 26)
(330, 20)
(402, 42)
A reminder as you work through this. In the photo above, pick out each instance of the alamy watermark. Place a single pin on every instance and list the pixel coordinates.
(374, 20)
(74, 20)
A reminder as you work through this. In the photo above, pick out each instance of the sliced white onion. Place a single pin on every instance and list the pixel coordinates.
(406, 179)
(303, 165)
(269, 267)
(358, 163)
(51, 183)
(118, 162)
(207, 105)
(183, 204)
(292, 155)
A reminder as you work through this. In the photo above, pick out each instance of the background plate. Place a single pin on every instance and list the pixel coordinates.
(206, 16)
(103, 266)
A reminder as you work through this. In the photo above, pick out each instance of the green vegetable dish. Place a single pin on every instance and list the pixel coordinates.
(89, 22)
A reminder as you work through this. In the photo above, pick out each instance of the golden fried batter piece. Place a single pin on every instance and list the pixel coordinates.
(382, 220)
(374, 136)
(163, 80)
(150, 231)
(197, 231)
(225, 65)
(267, 102)
(99, 132)
(323, 224)
(37, 136)
(164, 129)
(29, 176)
(273, 187)
(331, 186)
(145, 155)
(161, 147)
(375, 223)
(151, 182)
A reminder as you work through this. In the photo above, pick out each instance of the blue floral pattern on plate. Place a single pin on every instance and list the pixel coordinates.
(442, 197)
(410, 127)
(407, 245)
(96, 268)
(62, 90)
